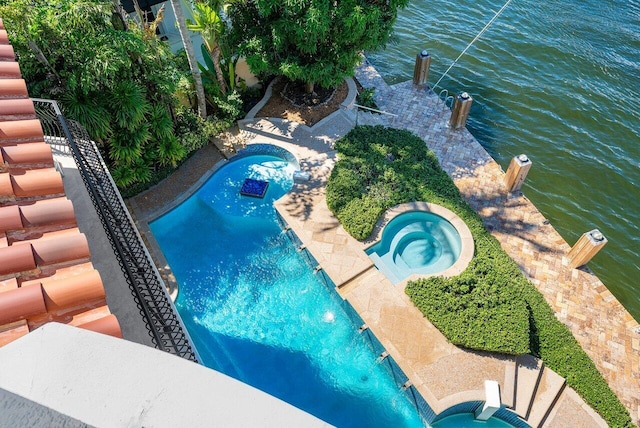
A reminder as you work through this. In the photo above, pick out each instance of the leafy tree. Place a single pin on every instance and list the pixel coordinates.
(114, 79)
(314, 41)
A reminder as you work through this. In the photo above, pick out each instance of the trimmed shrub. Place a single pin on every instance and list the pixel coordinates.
(490, 306)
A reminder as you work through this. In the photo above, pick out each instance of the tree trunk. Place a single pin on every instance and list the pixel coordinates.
(215, 57)
(119, 13)
(308, 87)
(191, 56)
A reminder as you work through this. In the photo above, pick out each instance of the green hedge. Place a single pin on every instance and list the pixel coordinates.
(491, 305)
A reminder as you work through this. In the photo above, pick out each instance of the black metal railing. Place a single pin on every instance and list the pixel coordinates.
(162, 322)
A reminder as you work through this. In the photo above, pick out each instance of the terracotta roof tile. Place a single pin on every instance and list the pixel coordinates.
(21, 303)
(36, 182)
(10, 70)
(45, 269)
(27, 155)
(6, 188)
(12, 331)
(106, 325)
(70, 248)
(16, 108)
(15, 259)
(20, 131)
(10, 218)
(8, 284)
(65, 293)
(48, 213)
(6, 53)
(13, 88)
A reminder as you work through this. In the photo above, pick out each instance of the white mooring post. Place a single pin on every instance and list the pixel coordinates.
(587, 246)
(517, 172)
(492, 401)
(421, 69)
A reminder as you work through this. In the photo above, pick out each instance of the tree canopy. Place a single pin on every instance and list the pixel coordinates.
(112, 75)
(314, 41)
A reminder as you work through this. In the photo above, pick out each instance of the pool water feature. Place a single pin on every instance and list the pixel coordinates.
(257, 312)
(416, 242)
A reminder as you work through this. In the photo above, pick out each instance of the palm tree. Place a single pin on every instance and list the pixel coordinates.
(207, 22)
(191, 56)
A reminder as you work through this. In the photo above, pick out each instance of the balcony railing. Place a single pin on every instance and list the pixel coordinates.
(156, 308)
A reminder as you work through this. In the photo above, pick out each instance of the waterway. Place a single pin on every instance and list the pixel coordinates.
(560, 82)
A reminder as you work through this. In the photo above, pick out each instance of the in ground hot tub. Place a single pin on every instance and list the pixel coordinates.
(416, 242)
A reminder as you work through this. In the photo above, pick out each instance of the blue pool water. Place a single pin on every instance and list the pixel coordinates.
(257, 312)
(416, 242)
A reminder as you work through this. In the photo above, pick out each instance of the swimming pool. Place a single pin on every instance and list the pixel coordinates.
(257, 312)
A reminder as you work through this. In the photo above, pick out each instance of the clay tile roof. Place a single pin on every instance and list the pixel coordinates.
(21, 131)
(13, 88)
(48, 212)
(107, 325)
(16, 259)
(26, 156)
(6, 52)
(36, 182)
(10, 70)
(18, 304)
(16, 108)
(45, 269)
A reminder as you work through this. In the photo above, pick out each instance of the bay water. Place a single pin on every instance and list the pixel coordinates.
(560, 82)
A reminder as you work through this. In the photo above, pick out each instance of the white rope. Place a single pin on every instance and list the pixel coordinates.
(474, 39)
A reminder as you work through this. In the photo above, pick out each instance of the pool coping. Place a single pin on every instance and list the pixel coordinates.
(467, 247)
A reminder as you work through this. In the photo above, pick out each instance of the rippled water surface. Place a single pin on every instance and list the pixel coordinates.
(559, 81)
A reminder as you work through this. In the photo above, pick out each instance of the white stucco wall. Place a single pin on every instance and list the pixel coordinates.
(109, 382)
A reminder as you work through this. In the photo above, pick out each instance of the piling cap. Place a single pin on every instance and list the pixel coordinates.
(597, 235)
(424, 53)
(465, 96)
(523, 158)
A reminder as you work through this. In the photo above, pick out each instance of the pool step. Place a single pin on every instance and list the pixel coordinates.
(549, 389)
(508, 386)
(527, 376)
(531, 390)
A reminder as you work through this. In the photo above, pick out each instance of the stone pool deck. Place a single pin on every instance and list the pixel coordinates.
(445, 374)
